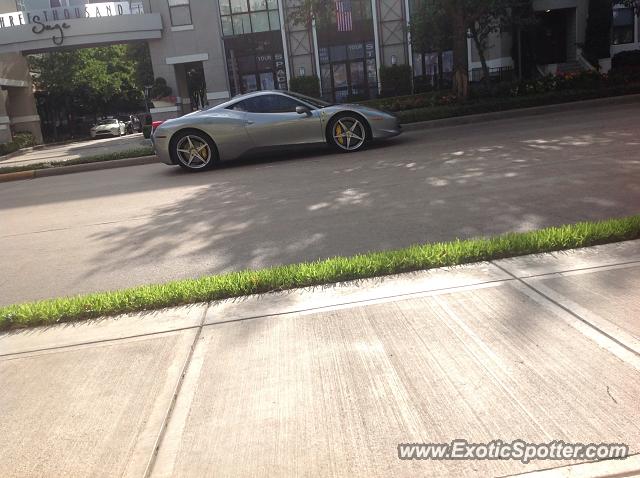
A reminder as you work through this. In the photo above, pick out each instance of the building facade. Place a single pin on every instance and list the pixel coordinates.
(240, 46)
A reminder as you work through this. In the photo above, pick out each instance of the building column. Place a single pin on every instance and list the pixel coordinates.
(23, 114)
(5, 131)
(376, 39)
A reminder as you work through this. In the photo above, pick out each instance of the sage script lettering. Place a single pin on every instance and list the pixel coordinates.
(40, 27)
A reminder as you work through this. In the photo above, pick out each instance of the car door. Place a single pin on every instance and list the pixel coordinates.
(272, 120)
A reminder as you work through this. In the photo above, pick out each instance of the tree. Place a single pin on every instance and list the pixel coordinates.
(430, 30)
(304, 12)
(477, 19)
(96, 81)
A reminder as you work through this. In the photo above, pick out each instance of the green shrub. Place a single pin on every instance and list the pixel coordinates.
(160, 88)
(24, 139)
(489, 105)
(146, 131)
(395, 80)
(626, 59)
(306, 85)
(7, 148)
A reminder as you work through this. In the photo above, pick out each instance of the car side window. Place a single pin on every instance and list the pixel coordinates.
(239, 106)
(278, 104)
(266, 104)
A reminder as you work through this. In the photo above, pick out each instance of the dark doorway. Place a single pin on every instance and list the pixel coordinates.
(551, 38)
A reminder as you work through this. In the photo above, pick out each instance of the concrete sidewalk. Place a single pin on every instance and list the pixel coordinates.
(75, 150)
(328, 381)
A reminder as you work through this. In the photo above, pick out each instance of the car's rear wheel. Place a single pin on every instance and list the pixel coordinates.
(347, 133)
(193, 151)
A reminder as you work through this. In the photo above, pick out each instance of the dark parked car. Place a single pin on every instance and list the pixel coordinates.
(132, 123)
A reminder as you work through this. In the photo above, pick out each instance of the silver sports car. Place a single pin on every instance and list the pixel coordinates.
(267, 120)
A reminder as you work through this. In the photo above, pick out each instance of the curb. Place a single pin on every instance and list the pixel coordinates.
(17, 176)
(521, 112)
(77, 168)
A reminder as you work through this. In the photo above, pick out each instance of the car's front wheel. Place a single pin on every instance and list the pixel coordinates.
(347, 133)
(193, 151)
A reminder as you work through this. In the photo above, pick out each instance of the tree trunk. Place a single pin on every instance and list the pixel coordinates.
(483, 60)
(460, 59)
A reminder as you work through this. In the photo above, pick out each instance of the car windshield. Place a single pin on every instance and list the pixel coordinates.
(316, 103)
(108, 121)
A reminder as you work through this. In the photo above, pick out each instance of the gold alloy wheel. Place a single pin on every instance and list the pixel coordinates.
(193, 151)
(349, 133)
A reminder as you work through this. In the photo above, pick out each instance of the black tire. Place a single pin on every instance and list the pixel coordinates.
(344, 128)
(193, 151)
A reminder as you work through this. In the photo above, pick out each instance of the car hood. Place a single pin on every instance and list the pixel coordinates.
(106, 126)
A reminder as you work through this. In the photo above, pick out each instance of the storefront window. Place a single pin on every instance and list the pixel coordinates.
(348, 71)
(256, 62)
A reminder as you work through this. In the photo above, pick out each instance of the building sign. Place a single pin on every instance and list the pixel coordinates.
(281, 74)
(40, 19)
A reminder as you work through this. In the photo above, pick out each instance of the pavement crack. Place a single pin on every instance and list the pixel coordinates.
(612, 397)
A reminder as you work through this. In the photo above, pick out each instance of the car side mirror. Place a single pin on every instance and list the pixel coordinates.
(303, 110)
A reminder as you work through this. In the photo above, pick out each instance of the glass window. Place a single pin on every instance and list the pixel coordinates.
(241, 24)
(268, 104)
(258, 5)
(180, 14)
(272, 4)
(239, 6)
(357, 73)
(323, 54)
(249, 83)
(225, 9)
(260, 22)
(340, 75)
(338, 53)
(372, 73)
(266, 81)
(356, 51)
(279, 104)
(274, 20)
(227, 26)
(623, 26)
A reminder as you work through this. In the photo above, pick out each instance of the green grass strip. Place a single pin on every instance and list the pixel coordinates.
(327, 271)
(130, 153)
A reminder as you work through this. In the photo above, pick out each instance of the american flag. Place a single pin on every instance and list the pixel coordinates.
(343, 15)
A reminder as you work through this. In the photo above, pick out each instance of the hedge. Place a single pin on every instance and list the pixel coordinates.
(306, 85)
(502, 104)
(395, 80)
(20, 140)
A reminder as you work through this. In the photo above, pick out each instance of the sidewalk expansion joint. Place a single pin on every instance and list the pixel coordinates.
(174, 398)
(569, 311)
(11, 355)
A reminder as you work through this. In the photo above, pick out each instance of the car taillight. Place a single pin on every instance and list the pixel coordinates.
(155, 124)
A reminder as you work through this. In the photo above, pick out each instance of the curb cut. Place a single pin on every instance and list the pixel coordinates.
(521, 112)
(77, 168)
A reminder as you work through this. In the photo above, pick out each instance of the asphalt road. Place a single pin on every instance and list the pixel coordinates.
(123, 227)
